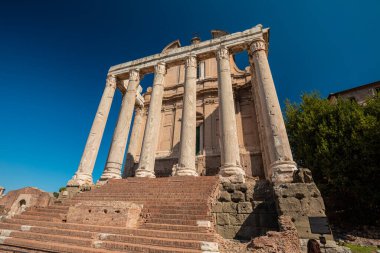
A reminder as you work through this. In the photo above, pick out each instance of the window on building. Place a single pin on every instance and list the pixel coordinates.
(352, 99)
(198, 140)
(201, 70)
(377, 90)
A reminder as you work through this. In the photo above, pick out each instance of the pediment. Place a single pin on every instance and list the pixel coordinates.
(171, 46)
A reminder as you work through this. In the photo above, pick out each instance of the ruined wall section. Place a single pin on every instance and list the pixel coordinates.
(243, 211)
(17, 201)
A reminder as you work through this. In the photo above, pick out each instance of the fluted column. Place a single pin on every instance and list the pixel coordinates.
(186, 163)
(116, 153)
(278, 150)
(133, 142)
(86, 165)
(149, 146)
(229, 145)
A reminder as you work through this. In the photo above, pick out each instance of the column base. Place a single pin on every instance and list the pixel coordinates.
(110, 173)
(79, 180)
(283, 171)
(144, 173)
(183, 171)
(105, 177)
(232, 173)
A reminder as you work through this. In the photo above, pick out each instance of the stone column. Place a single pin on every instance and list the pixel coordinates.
(278, 150)
(186, 162)
(86, 165)
(133, 143)
(115, 158)
(229, 145)
(149, 146)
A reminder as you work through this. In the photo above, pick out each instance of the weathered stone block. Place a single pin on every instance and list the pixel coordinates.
(229, 187)
(289, 203)
(238, 219)
(244, 207)
(222, 219)
(217, 207)
(229, 232)
(229, 207)
(110, 213)
(237, 196)
(224, 197)
(241, 187)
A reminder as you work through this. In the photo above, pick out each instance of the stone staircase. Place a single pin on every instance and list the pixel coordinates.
(179, 220)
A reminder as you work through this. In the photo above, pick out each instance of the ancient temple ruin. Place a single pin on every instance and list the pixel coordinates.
(203, 115)
(208, 160)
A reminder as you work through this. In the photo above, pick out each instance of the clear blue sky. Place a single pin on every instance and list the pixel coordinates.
(54, 57)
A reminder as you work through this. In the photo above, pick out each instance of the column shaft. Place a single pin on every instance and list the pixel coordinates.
(86, 165)
(278, 149)
(116, 153)
(149, 146)
(186, 164)
(229, 145)
(133, 143)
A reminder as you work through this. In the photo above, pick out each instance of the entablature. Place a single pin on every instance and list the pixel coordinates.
(235, 43)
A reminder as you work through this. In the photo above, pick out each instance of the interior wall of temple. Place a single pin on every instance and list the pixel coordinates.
(208, 158)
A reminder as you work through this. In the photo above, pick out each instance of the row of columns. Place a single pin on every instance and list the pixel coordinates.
(277, 153)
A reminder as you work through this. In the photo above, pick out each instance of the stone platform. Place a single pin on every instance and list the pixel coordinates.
(175, 217)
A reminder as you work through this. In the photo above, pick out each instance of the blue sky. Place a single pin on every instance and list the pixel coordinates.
(54, 57)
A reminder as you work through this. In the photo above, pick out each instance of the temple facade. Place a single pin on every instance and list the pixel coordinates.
(202, 116)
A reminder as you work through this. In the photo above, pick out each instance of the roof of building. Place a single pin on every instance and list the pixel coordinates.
(361, 87)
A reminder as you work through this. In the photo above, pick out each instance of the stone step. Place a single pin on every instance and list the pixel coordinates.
(177, 209)
(165, 179)
(181, 216)
(195, 234)
(129, 193)
(44, 213)
(144, 196)
(173, 227)
(172, 221)
(168, 189)
(37, 218)
(14, 249)
(199, 211)
(168, 206)
(106, 244)
(57, 207)
(166, 242)
(49, 247)
(142, 199)
(50, 209)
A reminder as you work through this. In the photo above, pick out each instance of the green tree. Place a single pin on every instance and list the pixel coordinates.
(340, 143)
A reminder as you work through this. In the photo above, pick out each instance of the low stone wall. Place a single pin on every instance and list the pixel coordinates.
(300, 201)
(284, 241)
(106, 213)
(243, 211)
(15, 202)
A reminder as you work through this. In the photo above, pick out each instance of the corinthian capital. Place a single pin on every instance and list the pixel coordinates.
(222, 53)
(111, 81)
(134, 75)
(257, 45)
(160, 68)
(191, 61)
